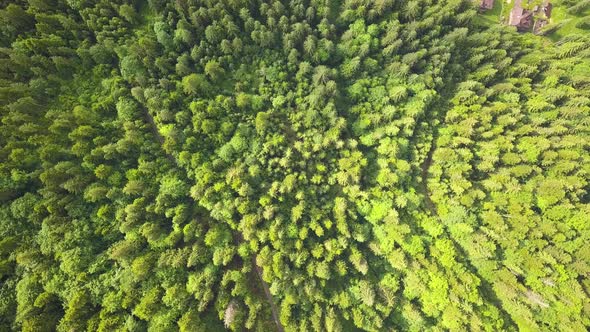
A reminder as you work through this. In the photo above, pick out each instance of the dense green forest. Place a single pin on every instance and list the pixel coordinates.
(302, 165)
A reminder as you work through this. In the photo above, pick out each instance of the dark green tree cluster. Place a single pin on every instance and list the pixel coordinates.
(306, 165)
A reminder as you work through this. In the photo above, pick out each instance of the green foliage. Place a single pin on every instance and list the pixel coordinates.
(196, 84)
(266, 165)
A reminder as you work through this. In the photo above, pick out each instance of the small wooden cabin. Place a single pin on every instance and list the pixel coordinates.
(546, 8)
(521, 18)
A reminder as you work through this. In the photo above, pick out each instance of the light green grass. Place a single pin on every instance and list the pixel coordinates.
(492, 16)
(495, 13)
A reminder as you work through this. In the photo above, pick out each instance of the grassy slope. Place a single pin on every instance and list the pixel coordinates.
(560, 14)
(493, 16)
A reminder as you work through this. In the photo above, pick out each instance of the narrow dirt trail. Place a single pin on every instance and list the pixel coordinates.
(238, 239)
(273, 307)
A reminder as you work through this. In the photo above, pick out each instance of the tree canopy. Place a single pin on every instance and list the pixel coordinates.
(305, 165)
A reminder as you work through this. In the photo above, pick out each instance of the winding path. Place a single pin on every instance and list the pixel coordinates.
(273, 307)
(238, 239)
